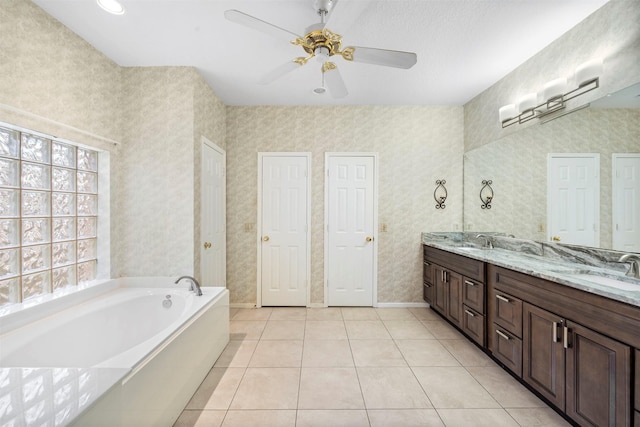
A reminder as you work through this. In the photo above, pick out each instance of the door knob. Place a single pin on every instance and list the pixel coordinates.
(555, 238)
(369, 239)
(207, 245)
(265, 239)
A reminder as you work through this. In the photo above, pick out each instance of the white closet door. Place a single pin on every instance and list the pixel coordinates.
(626, 202)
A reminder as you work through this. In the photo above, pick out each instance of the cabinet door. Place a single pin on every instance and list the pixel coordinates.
(543, 354)
(454, 301)
(598, 378)
(441, 294)
(507, 348)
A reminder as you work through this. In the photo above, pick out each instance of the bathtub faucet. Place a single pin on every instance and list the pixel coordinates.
(195, 286)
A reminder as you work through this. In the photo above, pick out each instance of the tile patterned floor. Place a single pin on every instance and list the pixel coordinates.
(357, 367)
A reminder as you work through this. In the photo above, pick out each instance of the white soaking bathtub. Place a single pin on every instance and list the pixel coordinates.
(156, 356)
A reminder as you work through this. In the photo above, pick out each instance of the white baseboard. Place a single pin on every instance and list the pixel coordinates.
(321, 305)
(402, 305)
(242, 305)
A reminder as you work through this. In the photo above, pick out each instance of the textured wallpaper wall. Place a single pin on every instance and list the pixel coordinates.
(517, 164)
(47, 70)
(416, 146)
(612, 32)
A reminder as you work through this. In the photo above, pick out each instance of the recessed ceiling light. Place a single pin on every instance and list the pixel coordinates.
(111, 6)
(319, 90)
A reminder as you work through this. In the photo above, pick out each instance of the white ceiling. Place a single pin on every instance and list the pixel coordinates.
(463, 46)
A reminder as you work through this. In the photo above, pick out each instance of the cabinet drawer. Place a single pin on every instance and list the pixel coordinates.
(473, 294)
(507, 311)
(427, 292)
(473, 324)
(507, 348)
(637, 394)
(427, 275)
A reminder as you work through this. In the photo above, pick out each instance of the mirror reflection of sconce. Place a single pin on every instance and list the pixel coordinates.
(486, 194)
(440, 194)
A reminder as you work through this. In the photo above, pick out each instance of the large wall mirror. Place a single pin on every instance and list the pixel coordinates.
(517, 166)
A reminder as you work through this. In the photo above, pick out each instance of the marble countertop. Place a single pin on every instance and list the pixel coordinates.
(563, 268)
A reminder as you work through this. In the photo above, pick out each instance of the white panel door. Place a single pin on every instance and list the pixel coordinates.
(573, 194)
(350, 230)
(213, 262)
(626, 202)
(284, 230)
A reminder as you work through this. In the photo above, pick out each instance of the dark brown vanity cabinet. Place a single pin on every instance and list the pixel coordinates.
(427, 283)
(457, 290)
(583, 371)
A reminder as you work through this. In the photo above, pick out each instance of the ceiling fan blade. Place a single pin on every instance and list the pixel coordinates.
(388, 58)
(260, 25)
(278, 72)
(333, 80)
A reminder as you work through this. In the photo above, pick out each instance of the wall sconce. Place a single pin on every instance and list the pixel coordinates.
(486, 194)
(554, 95)
(440, 194)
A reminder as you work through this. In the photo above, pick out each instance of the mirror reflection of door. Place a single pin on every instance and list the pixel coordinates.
(573, 186)
(626, 202)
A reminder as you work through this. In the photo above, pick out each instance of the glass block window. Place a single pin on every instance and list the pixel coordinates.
(48, 215)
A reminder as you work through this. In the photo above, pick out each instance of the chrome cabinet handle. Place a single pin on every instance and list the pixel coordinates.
(555, 332)
(470, 313)
(503, 335)
(470, 283)
(501, 298)
(565, 337)
(426, 285)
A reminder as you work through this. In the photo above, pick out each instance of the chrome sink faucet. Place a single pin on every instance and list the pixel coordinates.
(634, 260)
(487, 240)
(195, 286)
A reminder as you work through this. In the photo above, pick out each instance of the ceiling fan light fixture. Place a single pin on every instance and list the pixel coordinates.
(112, 6)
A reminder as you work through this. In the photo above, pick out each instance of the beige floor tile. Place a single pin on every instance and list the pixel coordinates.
(252, 314)
(333, 418)
(217, 389)
(407, 330)
(442, 330)
(366, 330)
(504, 388)
(268, 388)
(284, 330)
(233, 311)
(288, 313)
(426, 353)
(395, 314)
(538, 417)
(425, 313)
(330, 388)
(476, 418)
(359, 313)
(260, 418)
(237, 354)
(329, 313)
(453, 387)
(325, 330)
(376, 353)
(404, 418)
(327, 353)
(190, 418)
(277, 354)
(246, 329)
(391, 388)
(467, 353)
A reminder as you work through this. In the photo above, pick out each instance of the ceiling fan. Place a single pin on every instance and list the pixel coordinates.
(321, 43)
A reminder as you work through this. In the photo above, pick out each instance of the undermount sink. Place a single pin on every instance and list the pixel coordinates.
(618, 283)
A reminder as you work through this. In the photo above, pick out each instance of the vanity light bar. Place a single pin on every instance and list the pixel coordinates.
(587, 77)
